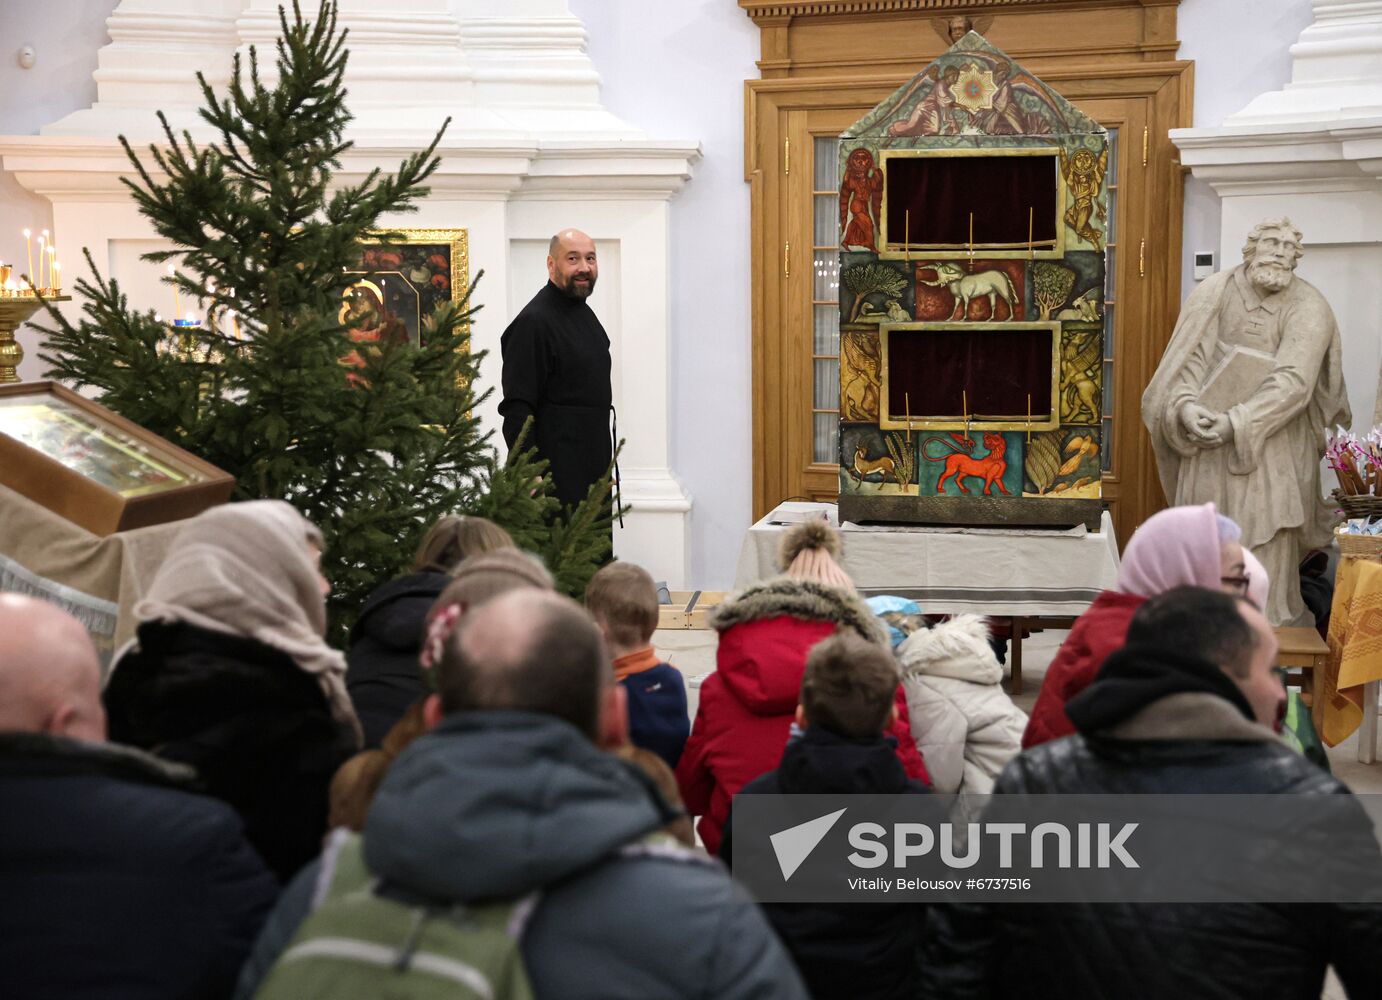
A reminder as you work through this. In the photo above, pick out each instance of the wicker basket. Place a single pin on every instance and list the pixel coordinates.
(1358, 504)
(1358, 546)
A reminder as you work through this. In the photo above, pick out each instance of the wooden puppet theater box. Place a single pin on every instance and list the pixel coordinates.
(973, 221)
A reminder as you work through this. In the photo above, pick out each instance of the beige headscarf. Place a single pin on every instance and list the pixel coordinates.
(811, 551)
(243, 569)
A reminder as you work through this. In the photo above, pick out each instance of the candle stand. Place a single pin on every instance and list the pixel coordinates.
(14, 310)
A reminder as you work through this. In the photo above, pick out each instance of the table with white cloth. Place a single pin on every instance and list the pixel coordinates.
(1032, 577)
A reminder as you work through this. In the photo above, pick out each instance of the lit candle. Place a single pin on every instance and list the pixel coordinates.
(52, 263)
(29, 247)
(42, 255)
(57, 277)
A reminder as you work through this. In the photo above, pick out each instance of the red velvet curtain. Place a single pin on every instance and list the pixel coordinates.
(935, 369)
(941, 191)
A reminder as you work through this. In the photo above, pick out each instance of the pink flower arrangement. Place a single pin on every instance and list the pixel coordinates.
(1356, 461)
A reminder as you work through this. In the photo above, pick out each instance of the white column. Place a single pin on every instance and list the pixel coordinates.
(156, 49)
(1313, 151)
(527, 52)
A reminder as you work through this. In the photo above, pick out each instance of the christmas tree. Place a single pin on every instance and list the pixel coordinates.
(372, 440)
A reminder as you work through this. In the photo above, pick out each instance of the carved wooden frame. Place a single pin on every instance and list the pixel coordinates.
(1103, 53)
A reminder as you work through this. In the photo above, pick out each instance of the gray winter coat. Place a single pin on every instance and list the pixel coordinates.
(499, 804)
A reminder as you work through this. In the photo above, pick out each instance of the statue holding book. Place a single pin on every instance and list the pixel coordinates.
(1240, 404)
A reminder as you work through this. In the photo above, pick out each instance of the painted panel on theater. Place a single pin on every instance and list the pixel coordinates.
(875, 462)
(973, 208)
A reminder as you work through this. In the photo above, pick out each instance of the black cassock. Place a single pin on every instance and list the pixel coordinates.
(556, 369)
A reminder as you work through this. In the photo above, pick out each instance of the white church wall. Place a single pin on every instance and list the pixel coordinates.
(1240, 49)
(1307, 146)
(681, 67)
(685, 63)
(59, 82)
(669, 69)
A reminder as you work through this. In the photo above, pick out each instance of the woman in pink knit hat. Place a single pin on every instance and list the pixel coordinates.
(1181, 546)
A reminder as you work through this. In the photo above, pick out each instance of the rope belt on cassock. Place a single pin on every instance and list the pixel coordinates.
(614, 450)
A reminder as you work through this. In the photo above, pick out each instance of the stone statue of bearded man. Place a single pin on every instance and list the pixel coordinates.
(1240, 404)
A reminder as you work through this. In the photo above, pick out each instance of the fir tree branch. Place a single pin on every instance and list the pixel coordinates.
(374, 455)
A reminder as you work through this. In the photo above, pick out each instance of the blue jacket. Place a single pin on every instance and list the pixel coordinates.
(117, 881)
(658, 716)
(497, 804)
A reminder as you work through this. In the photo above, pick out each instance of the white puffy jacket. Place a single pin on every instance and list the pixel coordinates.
(964, 724)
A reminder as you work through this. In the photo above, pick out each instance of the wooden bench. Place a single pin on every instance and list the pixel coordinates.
(689, 609)
(1302, 650)
(1019, 629)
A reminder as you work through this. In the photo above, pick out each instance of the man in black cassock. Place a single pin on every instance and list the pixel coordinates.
(556, 370)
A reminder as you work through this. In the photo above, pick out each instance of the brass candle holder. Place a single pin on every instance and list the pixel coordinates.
(15, 309)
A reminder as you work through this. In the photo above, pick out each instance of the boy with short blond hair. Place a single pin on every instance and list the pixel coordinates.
(622, 599)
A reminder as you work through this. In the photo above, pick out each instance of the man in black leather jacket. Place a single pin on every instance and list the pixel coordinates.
(1190, 705)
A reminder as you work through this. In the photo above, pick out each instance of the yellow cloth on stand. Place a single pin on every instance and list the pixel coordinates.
(1355, 648)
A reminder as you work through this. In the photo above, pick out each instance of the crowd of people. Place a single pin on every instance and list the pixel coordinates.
(491, 792)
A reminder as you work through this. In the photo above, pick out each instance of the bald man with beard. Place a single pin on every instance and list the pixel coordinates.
(556, 371)
(118, 881)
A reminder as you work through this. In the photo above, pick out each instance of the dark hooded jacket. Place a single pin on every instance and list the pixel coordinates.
(495, 805)
(118, 880)
(382, 669)
(255, 727)
(746, 706)
(1156, 723)
(865, 951)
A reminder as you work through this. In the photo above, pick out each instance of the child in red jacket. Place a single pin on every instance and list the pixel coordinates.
(748, 704)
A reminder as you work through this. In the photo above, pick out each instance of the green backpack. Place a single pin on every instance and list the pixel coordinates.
(357, 943)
